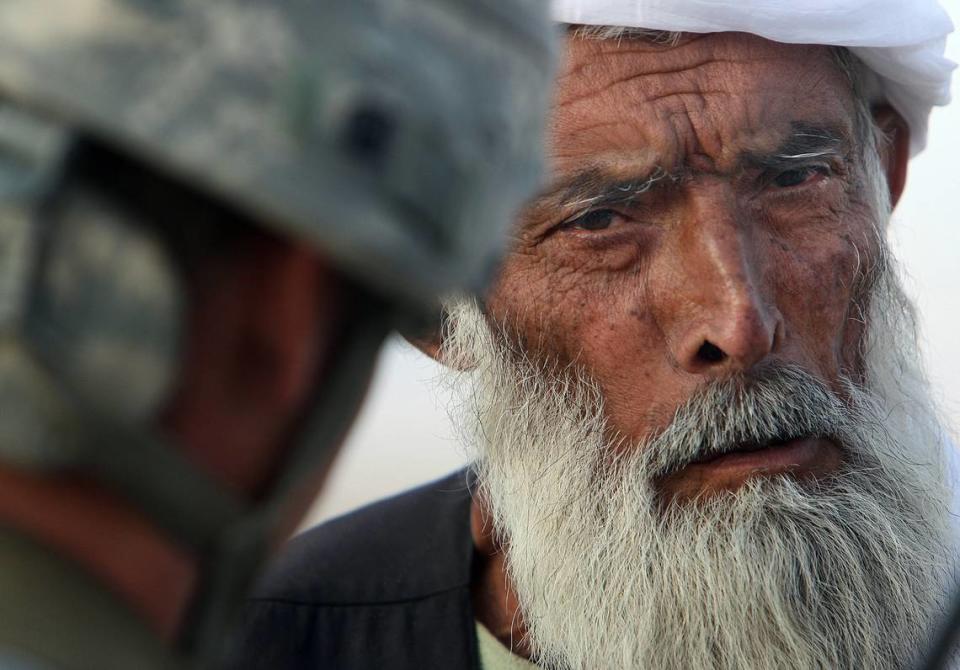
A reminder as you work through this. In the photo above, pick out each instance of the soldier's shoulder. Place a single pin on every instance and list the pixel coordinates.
(410, 546)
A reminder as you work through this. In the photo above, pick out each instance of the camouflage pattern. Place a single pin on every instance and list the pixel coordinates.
(54, 616)
(396, 136)
(399, 135)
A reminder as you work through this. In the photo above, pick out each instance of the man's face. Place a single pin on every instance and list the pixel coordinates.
(703, 437)
(708, 215)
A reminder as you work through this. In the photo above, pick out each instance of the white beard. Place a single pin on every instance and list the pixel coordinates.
(845, 572)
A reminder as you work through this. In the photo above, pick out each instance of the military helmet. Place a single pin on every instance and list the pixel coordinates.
(397, 135)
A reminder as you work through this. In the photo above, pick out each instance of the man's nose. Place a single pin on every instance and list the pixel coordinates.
(724, 317)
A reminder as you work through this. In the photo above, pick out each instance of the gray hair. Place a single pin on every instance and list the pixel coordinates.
(665, 37)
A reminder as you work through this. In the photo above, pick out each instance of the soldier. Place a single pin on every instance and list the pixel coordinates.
(700, 429)
(211, 213)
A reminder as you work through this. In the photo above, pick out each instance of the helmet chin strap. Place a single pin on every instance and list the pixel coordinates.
(81, 374)
(231, 536)
(243, 545)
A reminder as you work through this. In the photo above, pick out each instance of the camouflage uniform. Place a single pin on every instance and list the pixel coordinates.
(397, 136)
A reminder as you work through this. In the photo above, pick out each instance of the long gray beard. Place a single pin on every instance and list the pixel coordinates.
(847, 571)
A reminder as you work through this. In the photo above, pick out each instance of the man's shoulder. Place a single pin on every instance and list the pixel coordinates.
(407, 547)
(386, 586)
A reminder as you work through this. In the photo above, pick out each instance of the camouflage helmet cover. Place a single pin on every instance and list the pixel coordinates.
(396, 135)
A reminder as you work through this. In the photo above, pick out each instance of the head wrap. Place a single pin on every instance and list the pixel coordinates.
(901, 41)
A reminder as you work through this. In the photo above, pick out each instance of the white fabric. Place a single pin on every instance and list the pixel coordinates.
(902, 41)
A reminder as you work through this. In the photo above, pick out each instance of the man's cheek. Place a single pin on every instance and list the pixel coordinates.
(543, 306)
(605, 325)
(818, 291)
(530, 304)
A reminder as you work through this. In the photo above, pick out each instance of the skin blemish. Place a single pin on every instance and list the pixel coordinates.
(701, 193)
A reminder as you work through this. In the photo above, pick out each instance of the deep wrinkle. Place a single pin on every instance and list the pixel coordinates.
(692, 240)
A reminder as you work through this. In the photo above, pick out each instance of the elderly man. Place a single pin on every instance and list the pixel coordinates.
(701, 430)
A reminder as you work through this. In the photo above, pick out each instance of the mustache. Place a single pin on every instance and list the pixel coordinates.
(773, 404)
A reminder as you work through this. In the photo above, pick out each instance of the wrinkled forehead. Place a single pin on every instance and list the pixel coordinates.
(706, 100)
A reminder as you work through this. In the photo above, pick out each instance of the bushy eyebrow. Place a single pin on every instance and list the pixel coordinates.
(596, 187)
(805, 143)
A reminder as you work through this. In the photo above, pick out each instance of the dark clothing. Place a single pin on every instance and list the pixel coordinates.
(384, 588)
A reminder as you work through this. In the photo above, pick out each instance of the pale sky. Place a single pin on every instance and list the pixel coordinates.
(403, 436)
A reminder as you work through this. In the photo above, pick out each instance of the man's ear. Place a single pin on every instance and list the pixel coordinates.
(429, 338)
(894, 149)
(425, 332)
(428, 343)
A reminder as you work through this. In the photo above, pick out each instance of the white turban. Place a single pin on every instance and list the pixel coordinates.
(901, 41)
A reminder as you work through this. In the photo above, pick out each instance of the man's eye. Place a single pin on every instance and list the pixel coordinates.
(599, 219)
(799, 176)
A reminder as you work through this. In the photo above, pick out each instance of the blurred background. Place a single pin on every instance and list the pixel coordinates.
(403, 435)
